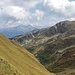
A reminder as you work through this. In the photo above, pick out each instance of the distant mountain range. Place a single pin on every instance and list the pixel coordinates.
(54, 47)
(18, 30)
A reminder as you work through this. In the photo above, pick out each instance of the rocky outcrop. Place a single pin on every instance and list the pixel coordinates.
(51, 45)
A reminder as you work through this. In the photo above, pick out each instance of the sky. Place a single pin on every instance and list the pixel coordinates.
(38, 13)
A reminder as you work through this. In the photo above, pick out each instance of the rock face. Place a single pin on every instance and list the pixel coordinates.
(54, 47)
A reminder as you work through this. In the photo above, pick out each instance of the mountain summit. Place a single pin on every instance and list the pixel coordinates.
(54, 47)
(15, 31)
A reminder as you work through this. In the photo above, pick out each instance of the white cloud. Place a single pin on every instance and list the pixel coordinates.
(0, 11)
(38, 14)
(14, 11)
(17, 12)
(26, 4)
(63, 7)
(57, 4)
(70, 9)
(31, 4)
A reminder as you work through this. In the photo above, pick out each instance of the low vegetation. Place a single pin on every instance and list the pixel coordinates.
(15, 60)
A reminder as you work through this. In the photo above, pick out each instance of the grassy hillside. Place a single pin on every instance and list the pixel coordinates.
(6, 68)
(15, 60)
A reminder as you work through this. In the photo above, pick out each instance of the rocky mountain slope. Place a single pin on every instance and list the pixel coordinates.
(54, 47)
(15, 60)
(18, 30)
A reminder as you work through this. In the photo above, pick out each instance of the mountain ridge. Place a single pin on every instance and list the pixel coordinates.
(50, 44)
(17, 30)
